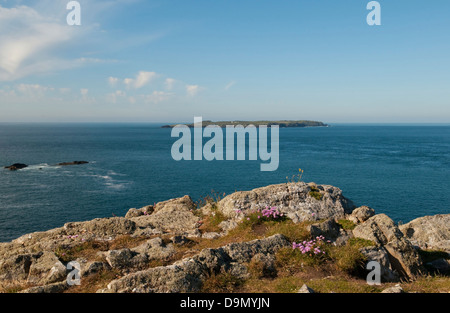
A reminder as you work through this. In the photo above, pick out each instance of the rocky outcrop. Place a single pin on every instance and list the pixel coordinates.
(188, 274)
(172, 216)
(16, 166)
(170, 233)
(403, 258)
(292, 199)
(429, 232)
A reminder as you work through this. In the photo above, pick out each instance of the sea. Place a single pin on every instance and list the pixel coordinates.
(400, 170)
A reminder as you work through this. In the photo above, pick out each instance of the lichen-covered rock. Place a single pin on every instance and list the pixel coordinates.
(183, 203)
(292, 199)
(188, 274)
(329, 229)
(51, 288)
(361, 214)
(155, 249)
(147, 210)
(46, 269)
(429, 232)
(102, 227)
(170, 218)
(382, 230)
(17, 268)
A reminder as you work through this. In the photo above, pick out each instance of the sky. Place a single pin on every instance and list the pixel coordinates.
(171, 60)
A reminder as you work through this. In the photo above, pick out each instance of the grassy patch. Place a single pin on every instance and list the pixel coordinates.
(348, 259)
(360, 243)
(221, 283)
(346, 224)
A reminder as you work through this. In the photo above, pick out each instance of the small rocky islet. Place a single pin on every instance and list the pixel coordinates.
(244, 242)
(19, 166)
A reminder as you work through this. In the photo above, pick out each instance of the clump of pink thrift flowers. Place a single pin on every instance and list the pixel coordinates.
(311, 246)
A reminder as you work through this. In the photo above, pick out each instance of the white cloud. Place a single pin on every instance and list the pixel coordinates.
(26, 40)
(192, 90)
(33, 90)
(142, 79)
(84, 92)
(113, 81)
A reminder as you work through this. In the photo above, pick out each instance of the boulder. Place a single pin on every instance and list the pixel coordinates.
(329, 229)
(187, 275)
(183, 203)
(125, 259)
(173, 216)
(51, 288)
(292, 199)
(211, 235)
(147, 210)
(17, 268)
(429, 232)
(155, 249)
(47, 269)
(380, 255)
(102, 227)
(382, 230)
(361, 214)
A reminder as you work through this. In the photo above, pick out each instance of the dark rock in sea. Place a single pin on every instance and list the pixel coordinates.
(16, 166)
(73, 163)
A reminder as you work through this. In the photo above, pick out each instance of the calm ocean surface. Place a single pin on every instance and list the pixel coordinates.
(403, 171)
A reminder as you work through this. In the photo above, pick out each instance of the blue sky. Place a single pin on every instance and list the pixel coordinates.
(171, 60)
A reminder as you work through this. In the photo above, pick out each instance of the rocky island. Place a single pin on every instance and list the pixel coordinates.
(281, 124)
(292, 237)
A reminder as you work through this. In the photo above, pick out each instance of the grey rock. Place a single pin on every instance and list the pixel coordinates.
(51, 288)
(180, 240)
(173, 216)
(155, 249)
(146, 210)
(188, 274)
(402, 256)
(429, 232)
(211, 235)
(47, 269)
(292, 199)
(305, 289)
(361, 214)
(17, 268)
(380, 255)
(102, 227)
(329, 229)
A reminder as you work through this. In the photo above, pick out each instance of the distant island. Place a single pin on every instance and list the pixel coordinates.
(281, 124)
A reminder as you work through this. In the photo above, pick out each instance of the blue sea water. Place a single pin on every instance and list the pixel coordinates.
(403, 171)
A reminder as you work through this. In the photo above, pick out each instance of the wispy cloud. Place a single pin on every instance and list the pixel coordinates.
(230, 84)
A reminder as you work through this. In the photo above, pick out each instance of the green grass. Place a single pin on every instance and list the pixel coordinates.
(346, 224)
